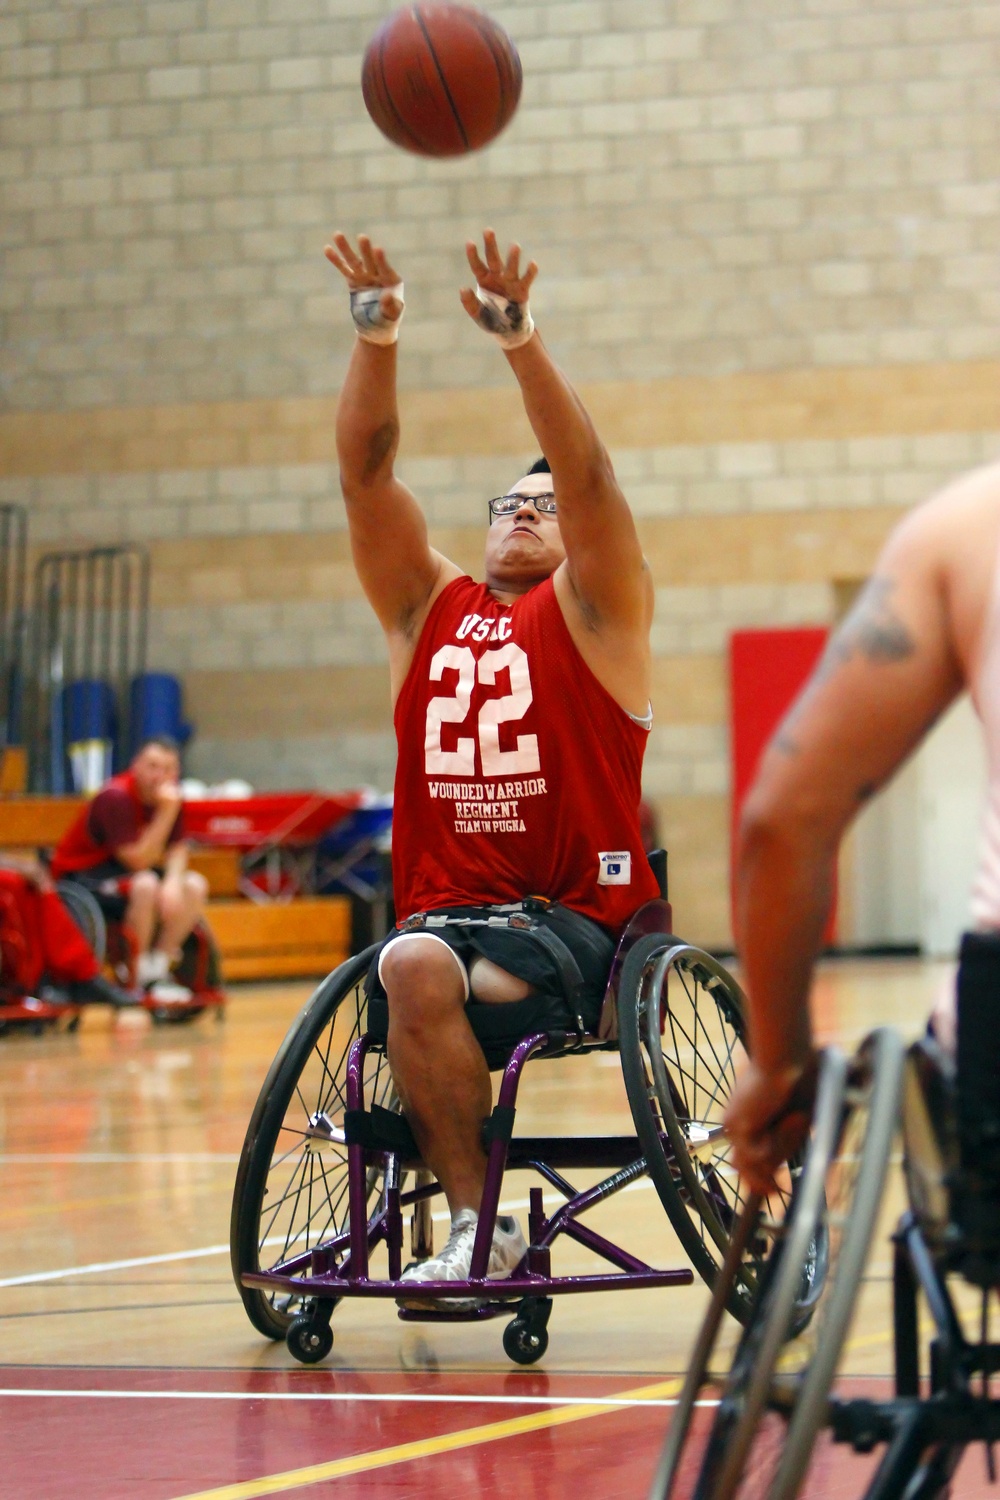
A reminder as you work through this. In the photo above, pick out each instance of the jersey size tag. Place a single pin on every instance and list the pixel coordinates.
(615, 869)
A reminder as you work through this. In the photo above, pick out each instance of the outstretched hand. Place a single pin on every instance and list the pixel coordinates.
(364, 268)
(502, 277)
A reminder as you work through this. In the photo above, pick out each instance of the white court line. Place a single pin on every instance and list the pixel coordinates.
(408, 1397)
(113, 1265)
(42, 1158)
(95, 1268)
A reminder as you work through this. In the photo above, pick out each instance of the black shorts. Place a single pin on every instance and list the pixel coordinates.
(109, 884)
(566, 996)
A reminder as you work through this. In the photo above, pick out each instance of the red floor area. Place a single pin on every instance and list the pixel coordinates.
(158, 1447)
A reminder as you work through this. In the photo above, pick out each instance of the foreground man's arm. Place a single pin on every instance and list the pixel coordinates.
(887, 674)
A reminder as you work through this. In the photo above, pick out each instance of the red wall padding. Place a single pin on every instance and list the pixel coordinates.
(766, 670)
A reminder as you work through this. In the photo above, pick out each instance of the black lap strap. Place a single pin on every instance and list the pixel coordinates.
(565, 964)
(523, 916)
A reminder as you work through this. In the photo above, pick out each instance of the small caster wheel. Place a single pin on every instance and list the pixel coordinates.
(308, 1344)
(525, 1341)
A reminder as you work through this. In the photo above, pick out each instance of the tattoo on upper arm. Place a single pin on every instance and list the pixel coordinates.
(784, 742)
(382, 442)
(872, 630)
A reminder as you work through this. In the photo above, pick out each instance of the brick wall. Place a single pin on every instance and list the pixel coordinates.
(768, 249)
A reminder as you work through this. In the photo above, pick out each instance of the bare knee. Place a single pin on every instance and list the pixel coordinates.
(422, 979)
(144, 887)
(195, 887)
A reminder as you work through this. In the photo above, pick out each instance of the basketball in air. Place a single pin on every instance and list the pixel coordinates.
(441, 79)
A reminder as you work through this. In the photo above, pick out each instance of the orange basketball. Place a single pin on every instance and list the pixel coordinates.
(441, 79)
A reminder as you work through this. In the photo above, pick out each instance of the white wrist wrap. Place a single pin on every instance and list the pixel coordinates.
(371, 322)
(510, 323)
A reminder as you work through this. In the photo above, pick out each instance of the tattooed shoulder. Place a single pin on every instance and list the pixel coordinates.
(873, 630)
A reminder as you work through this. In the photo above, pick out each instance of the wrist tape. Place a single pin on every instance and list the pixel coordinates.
(370, 321)
(510, 323)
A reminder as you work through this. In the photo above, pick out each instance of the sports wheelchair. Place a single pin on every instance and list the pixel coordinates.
(775, 1424)
(198, 969)
(329, 1167)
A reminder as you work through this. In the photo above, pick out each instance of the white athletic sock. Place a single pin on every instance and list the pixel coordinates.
(152, 966)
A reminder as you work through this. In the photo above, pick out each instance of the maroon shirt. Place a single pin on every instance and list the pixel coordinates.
(116, 816)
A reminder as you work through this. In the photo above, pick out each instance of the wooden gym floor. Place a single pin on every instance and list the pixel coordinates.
(127, 1366)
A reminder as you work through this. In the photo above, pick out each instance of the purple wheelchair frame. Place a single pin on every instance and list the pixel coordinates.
(340, 1267)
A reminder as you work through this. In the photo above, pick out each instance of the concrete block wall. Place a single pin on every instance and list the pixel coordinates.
(768, 256)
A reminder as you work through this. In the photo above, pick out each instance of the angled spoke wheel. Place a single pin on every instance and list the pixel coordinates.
(754, 1433)
(682, 1029)
(291, 1186)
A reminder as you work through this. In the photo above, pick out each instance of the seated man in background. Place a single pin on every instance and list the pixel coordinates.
(41, 947)
(127, 847)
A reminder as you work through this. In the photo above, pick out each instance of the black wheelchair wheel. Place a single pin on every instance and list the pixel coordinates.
(682, 1038)
(291, 1184)
(83, 907)
(698, 1442)
(761, 1442)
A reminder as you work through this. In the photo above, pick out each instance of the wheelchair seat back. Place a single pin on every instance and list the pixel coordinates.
(951, 1124)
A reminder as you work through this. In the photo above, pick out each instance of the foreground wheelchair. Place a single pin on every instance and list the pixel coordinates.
(751, 1431)
(329, 1167)
(776, 1424)
(198, 969)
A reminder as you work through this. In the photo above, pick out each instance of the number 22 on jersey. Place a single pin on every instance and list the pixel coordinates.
(495, 711)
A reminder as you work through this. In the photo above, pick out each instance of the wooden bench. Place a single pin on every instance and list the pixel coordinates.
(297, 939)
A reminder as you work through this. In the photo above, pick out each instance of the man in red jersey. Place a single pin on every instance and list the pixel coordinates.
(521, 713)
(127, 847)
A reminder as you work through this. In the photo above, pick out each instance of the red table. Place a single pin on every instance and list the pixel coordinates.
(265, 825)
(267, 819)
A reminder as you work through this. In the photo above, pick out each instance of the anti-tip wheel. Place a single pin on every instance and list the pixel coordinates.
(524, 1342)
(308, 1344)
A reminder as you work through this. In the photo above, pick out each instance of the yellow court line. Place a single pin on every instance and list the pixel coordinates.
(449, 1442)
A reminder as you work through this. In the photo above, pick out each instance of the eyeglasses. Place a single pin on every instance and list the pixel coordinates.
(506, 505)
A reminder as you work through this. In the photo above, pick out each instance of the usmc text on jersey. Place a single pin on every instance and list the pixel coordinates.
(488, 807)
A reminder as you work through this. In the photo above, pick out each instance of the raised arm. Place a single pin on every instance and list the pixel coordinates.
(399, 571)
(147, 849)
(609, 576)
(888, 672)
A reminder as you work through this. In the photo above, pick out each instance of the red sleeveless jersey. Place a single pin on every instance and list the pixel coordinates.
(518, 774)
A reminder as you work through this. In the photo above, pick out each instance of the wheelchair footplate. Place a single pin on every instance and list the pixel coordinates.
(34, 1014)
(178, 1012)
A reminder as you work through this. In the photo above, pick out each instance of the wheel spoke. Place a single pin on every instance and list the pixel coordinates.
(300, 1195)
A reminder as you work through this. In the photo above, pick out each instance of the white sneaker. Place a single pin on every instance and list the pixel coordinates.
(169, 992)
(453, 1264)
(151, 967)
